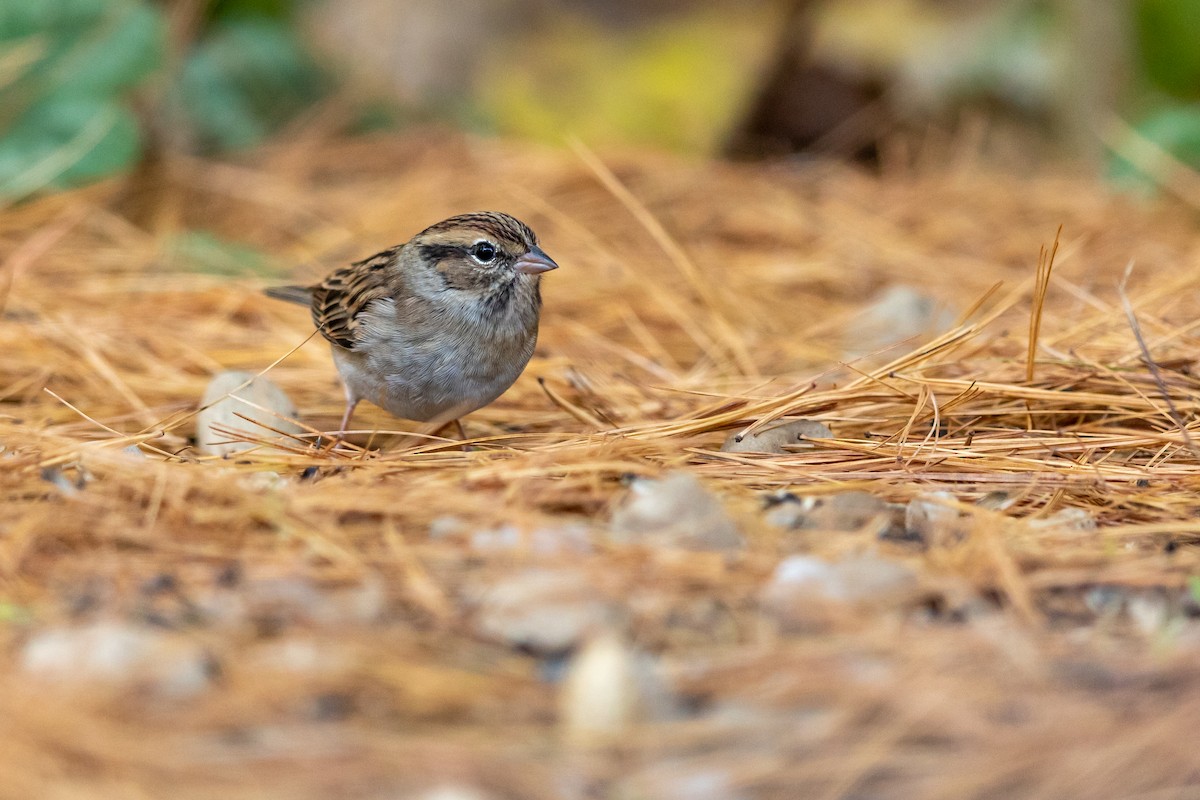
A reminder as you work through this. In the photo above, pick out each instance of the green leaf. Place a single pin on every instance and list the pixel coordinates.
(14, 614)
(1175, 130)
(204, 251)
(66, 141)
(273, 9)
(122, 49)
(100, 51)
(21, 18)
(1168, 34)
(244, 81)
(1193, 585)
(61, 120)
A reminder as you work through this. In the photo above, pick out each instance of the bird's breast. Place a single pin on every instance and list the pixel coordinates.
(426, 367)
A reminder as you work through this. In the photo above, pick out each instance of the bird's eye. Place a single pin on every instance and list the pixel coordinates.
(484, 252)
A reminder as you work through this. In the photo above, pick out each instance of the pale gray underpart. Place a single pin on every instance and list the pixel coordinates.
(426, 370)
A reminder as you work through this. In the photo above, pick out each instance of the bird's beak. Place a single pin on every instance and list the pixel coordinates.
(535, 262)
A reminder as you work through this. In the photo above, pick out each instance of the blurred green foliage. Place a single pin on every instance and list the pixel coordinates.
(246, 78)
(656, 84)
(65, 68)
(204, 251)
(83, 82)
(1168, 35)
(1168, 86)
(271, 9)
(78, 81)
(14, 614)
(1173, 129)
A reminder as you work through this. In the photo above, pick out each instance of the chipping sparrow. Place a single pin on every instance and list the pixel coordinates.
(435, 328)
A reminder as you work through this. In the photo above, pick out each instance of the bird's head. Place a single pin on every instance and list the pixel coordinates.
(474, 252)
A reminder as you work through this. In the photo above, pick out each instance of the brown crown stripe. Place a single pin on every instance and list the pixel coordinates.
(492, 223)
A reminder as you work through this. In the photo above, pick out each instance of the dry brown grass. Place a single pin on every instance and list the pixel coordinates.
(695, 299)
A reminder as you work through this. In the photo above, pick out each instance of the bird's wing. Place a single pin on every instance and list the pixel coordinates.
(339, 300)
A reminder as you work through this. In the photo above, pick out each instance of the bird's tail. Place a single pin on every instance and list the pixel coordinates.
(291, 294)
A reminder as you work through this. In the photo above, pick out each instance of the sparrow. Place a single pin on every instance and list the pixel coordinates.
(436, 328)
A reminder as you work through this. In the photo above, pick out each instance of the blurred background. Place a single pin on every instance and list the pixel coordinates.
(93, 88)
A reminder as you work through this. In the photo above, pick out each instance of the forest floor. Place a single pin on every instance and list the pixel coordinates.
(986, 584)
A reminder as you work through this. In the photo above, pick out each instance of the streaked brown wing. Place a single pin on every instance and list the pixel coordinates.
(338, 300)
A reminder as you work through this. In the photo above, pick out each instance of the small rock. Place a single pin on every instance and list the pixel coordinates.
(789, 511)
(998, 500)
(69, 486)
(896, 314)
(451, 792)
(549, 541)
(1104, 601)
(446, 526)
(872, 580)
(844, 511)
(599, 697)
(299, 655)
(785, 437)
(266, 481)
(932, 518)
(543, 610)
(805, 591)
(285, 601)
(504, 538)
(112, 652)
(261, 401)
(1149, 611)
(674, 511)
(1067, 520)
(680, 780)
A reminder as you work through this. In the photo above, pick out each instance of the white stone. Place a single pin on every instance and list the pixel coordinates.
(842, 511)
(544, 541)
(599, 698)
(783, 437)
(674, 511)
(933, 518)
(680, 780)
(261, 401)
(451, 792)
(1149, 612)
(804, 590)
(111, 652)
(1067, 519)
(897, 314)
(544, 610)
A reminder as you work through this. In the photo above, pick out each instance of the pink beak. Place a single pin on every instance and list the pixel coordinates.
(535, 262)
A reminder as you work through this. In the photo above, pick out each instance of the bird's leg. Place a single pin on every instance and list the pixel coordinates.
(351, 403)
(441, 429)
(462, 435)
